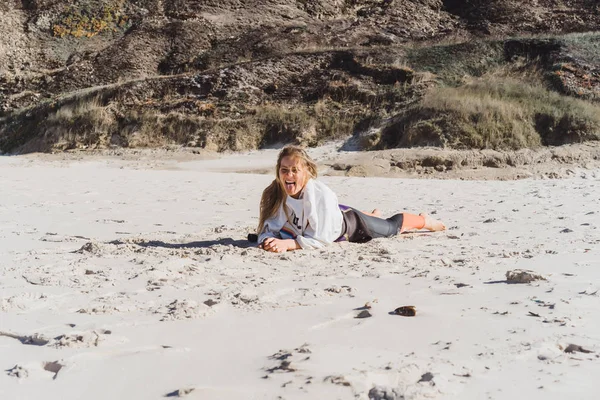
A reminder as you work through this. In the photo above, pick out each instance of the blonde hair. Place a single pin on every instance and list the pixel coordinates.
(274, 195)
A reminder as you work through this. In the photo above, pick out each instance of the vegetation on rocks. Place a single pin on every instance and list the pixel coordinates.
(494, 114)
(86, 22)
(388, 73)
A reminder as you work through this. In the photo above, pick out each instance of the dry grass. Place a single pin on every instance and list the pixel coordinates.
(282, 124)
(86, 122)
(454, 62)
(91, 121)
(494, 113)
(307, 125)
(475, 98)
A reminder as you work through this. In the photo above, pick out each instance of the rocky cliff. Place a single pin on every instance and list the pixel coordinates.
(243, 74)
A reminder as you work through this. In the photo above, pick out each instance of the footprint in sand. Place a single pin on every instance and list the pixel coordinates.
(184, 309)
(77, 340)
(24, 302)
(18, 372)
(72, 340)
(32, 340)
(286, 361)
(111, 221)
(53, 367)
(180, 392)
(385, 393)
(44, 370)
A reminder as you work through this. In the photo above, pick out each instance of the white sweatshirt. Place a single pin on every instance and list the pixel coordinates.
(314, 220)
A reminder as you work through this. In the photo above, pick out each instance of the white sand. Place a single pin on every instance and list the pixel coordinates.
(105, 265)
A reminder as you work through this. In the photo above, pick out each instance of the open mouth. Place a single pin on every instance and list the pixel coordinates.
(290, 186)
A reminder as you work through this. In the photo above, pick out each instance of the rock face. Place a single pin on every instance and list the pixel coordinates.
(237, 74)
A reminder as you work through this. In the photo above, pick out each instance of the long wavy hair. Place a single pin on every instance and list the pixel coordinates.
(274, 195)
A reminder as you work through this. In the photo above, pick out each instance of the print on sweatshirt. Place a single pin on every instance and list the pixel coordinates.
(313, 220)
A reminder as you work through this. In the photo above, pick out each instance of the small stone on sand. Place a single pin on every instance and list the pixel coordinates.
(574, 348)
(522, 276)
(406, 311)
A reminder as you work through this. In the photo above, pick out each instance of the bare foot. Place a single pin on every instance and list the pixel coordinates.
(432, 224)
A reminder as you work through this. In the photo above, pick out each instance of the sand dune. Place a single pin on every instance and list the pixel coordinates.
(132, 279)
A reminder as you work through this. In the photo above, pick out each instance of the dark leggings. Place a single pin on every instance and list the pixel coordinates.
(379, 227)
(360, 227)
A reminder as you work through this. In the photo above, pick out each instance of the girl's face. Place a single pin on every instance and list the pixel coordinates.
(293, 175)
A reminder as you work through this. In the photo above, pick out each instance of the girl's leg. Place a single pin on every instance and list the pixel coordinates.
(432, 224)
(379, 227)
(411, 221)
(421, 221)
(399, 223)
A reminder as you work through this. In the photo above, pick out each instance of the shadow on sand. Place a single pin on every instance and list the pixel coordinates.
(244, 244)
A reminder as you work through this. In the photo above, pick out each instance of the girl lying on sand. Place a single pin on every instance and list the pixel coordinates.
(299, 212)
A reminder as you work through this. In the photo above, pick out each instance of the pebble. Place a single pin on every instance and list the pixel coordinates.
(406, 311)
(426, 377)
(573, 348)
(522, 276)
(211, 302)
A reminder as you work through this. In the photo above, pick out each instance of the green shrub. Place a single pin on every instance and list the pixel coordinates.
(451, 63)
(282, 124)
(496, 114)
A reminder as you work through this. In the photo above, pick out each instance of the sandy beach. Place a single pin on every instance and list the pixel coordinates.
(131, 278)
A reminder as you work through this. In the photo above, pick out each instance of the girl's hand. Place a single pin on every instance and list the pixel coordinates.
(275, 245)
